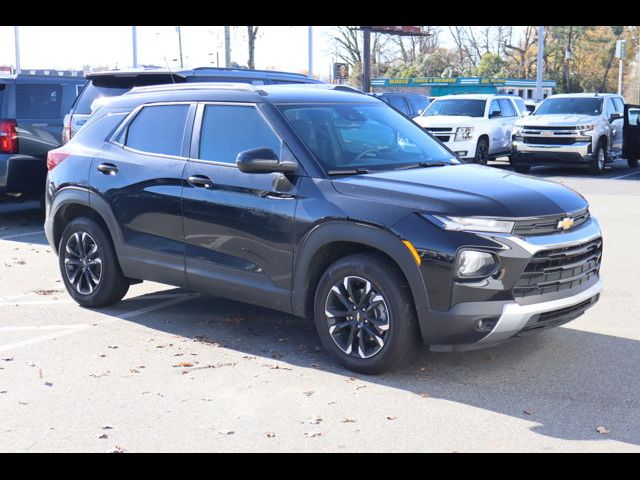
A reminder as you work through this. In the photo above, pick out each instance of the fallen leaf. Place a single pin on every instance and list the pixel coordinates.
(351, 379)
(603, 430)
(116, 449)
(40, 373)
(48, 384)
(312, 434)
(248, 357)
(107, 427)
(226, 432)
(31, 364)
(134, 370)
(99, 375)
(423, 369)
(46, 292)
(112, 346)
(23, 403)
(360, 386)
(103, 436)
(184, 364)
(270, 434)
(8, 359)
(102, 355)
(348, 420)
(391, 417)
(314, 365)
(3, 391)
(424, 395)
(528, 412)
(313, 421)
(309, 393)
(282, 340)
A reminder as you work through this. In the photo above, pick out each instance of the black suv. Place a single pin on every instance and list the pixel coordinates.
(411, 104)
(102, 85)
(320, 202)
(31, 111)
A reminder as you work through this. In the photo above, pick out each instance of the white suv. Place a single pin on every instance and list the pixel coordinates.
(475, 127)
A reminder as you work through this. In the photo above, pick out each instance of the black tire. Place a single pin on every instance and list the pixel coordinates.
(600, 158)
(482, 152)
(633, 162)
(79, 268)
(401, 337)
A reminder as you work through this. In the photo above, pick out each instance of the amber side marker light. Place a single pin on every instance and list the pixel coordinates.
(414, 252)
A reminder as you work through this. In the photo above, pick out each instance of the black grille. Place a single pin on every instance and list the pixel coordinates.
(560, 269)
(549, 140)
(438, 129)
(548, 224)
(443, 138)
(560, 316)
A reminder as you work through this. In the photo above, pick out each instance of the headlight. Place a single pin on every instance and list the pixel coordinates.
(475, 264)
(463, 133)
(585, 128)
(474, 224)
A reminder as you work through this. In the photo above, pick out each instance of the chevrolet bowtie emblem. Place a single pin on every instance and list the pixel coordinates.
(565, 223)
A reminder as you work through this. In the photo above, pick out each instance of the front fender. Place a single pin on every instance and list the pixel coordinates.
(355, 232)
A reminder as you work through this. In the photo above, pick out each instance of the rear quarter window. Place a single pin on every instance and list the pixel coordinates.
(38, 100)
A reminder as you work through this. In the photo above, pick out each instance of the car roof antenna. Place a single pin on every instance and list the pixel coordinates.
(173, 80)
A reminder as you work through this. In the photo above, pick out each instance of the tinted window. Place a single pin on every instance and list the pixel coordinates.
(568, 105)
(372, 136)
(617, 101)
(158, 129)
(460, 108)
(417, 103)
(397, 102)
(507, 108)
(228, 130)
(2, 87)
(494, 110)
(38, 101)
(92, 92)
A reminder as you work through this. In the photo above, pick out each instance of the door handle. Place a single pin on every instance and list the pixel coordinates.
(200, 181)
(107, 168)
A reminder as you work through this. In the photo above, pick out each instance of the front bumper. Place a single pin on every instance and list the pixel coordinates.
(473, 322)
(530, 154)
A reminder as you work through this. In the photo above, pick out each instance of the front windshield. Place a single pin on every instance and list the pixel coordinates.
(352, 136)
(456, 107)
(570, 106)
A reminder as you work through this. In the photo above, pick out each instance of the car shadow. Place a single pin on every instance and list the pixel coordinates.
(22, 222)
(567, 381)
(616, 170)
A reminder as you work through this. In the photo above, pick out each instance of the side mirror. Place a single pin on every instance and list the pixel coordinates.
(263, 160)
(615, 116)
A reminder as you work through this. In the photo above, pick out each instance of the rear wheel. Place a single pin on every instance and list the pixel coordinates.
(633, 162)
(364, 314)
(89, 266)
(600, 157)
(482, 152)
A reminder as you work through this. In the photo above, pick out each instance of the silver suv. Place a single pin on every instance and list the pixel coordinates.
(571, 129)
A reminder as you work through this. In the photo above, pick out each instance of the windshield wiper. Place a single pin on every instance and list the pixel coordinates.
(348, 172)
(423, 165)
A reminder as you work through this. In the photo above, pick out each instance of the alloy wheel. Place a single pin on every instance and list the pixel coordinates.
(601, 158)
(357, 317)
(82, 263)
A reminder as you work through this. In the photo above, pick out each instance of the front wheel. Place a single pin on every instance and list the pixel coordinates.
(600, 157)
(482, 152)
(89, 266)
(364, 314)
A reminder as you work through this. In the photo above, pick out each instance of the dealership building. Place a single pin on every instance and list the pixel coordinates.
(436, 86)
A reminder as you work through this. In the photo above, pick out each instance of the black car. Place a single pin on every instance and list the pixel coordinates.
(323, 203)
(411, 104)
(106, 84)
(31, 110)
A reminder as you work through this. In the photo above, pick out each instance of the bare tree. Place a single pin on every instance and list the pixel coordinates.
(252, 34)
(413, 47)
(522, 53)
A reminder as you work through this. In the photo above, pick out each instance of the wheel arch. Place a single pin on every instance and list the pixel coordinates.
(329, 241)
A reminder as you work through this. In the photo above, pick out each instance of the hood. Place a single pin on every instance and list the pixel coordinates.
(464, 190)
(446, 121)
(555, 120)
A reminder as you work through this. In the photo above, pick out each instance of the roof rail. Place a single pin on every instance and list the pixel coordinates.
(243, 87)
(324, 86)
(238, 69)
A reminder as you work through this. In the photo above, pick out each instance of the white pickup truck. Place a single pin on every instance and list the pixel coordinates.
(476, 127)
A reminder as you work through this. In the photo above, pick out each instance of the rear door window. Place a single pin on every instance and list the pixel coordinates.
(418, 104)
(92, 92)
(38, 100)
(225, 133)
(399, 103)
(494, 110)
(158, 129)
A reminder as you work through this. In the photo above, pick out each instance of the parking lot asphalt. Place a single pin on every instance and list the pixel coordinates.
(172, 370)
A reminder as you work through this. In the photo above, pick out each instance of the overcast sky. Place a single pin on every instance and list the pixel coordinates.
(284, 47)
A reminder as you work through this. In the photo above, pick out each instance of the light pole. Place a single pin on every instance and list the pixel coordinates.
(310, 69)
(540, 65)
(16, 34)
(180, 45)
(134, 41)
(227, 47)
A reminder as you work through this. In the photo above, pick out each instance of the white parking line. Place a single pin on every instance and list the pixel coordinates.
(623, 176)
(37, 302)
(69, 329)
(40, 327)
(18, 235)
